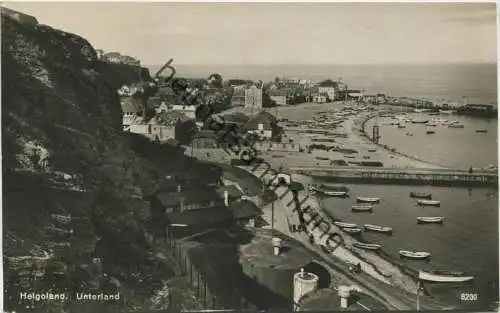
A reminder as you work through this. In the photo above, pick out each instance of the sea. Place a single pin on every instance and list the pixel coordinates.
(468, 240)
(443, 82)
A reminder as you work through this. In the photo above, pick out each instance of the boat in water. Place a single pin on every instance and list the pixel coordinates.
(367, 246)
(362, 208)
(367, 200)
(409, 134)
(431, 124)
(340, 194)
(444, 277)
(380, 229)
(429, 203)
(430, 132)
(345, 225)
(447, 111)
(419, 121)
(421, 195)
(456, 126)
(401, 126)
(414, 254)
(352, 231)
(481, 130)
(372, 150)
(430, 219)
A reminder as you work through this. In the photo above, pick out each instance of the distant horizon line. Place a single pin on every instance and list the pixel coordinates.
(335, 64)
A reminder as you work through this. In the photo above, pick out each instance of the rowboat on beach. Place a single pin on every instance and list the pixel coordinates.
(367, 246)
(380, 229)
(352, 231)
(362, 208)
(444, 277)
(368, 199)
(414, 254)
(421, 195)
(345, 225)
(429, 203)
(430, 219)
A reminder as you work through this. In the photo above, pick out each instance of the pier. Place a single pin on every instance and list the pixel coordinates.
(403, 176)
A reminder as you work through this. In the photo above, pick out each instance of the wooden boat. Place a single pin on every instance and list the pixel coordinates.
(456, 126)
(419, 121)
(444, 277)
(409, 134)
(429, 203)
(430, 132)
(330, 193)
(367, 246)
(345, 225)
(421, 195)
(368, 200)
(401, 126)
(430, 124)
(481, 130)
(332, 188)
(352, 231)
(362, 208)
(430, 219)
(414, 254)
(380, 229)
(372, 150)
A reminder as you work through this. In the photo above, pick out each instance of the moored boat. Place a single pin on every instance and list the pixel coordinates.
(481, 130)
(444, 277)
(362, 208)
(372, 150)
(429, 203)
(419, 121)
(421, 195)
(368, 199)
(367, 246)
(329, 193)
(414, 254)
(353, 231)
(456, 126)
(345, 225)
(430, 219)
(401, 126)
(430, 132)
(377, 228)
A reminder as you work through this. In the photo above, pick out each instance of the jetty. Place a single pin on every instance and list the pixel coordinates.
(403, 176)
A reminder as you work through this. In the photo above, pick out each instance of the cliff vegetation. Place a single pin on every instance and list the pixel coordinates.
(73, 214)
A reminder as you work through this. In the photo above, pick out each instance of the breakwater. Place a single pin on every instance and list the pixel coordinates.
(436, 177)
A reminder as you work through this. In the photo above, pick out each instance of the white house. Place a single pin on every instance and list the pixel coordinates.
(188, 110)
(330, 91)
(319, 99)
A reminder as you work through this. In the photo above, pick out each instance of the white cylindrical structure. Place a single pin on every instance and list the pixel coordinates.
(276, 245)
(303, 283)
(226, 198)
(344, 293)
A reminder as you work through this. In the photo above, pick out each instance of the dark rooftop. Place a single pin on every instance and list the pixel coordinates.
(233, 191)
(196, 196)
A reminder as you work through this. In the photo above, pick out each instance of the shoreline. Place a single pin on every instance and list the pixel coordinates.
(386, 148)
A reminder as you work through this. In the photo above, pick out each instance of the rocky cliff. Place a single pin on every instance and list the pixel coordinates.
(73, 215)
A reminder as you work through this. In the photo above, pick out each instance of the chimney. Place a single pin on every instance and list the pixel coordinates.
(344, 293)
(226, 198)
(276, 245)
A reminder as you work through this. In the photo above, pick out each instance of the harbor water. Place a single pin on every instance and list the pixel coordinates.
(468, 240)
(449, 147)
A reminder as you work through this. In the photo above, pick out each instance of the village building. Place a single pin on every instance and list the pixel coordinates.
(132, 110)
(188, 110)
(238, 96)
(264, 125)
(253, 98)
(320, 98)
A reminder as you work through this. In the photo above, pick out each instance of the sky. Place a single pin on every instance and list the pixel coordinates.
(280, 33)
